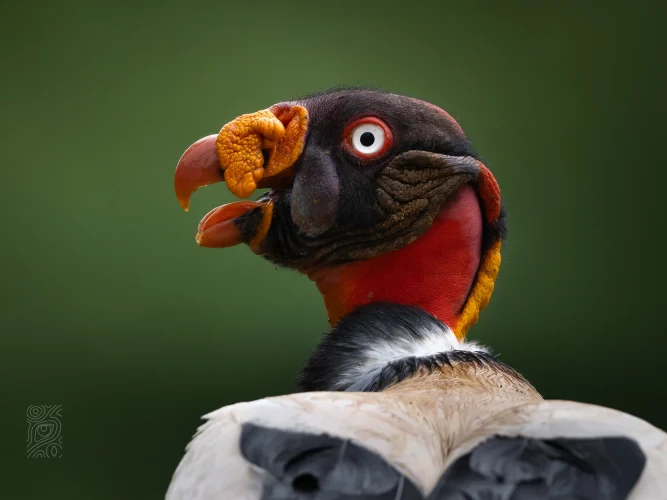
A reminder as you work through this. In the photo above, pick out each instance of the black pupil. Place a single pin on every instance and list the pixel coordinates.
(367, 139)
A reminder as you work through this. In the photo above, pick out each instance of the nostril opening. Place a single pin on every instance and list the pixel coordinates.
(305, 483)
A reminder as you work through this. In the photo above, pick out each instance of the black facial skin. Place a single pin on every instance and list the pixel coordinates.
(341, 208)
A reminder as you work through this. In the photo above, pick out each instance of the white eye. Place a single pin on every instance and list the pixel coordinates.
(368, 138)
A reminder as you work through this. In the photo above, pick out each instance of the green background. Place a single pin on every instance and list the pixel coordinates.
(110, 308)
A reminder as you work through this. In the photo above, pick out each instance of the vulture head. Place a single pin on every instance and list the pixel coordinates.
(377, 197)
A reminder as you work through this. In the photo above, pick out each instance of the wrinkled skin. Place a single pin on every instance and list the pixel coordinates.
(341, 208)
(346, 213)
(330, 203)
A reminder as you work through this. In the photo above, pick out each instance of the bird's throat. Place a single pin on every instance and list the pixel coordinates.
(436, 272)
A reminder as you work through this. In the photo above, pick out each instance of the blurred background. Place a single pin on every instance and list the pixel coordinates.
(110, 309)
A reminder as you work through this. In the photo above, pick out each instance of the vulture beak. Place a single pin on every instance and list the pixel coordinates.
(256, 150)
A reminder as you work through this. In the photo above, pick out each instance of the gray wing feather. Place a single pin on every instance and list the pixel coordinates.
(520, 468)
(304, 466)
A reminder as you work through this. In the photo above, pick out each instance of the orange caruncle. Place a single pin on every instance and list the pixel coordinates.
(281, 129)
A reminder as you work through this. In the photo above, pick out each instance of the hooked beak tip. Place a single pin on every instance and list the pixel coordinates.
(184, 203)
(199, 166)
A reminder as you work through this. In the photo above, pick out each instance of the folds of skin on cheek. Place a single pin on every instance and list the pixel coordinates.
(441, 272)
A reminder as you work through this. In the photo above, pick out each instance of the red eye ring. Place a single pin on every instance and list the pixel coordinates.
(379, 146)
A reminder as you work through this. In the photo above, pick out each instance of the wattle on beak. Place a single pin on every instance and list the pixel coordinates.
(237, 156)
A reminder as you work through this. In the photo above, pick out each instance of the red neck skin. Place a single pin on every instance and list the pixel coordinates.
(435, 272)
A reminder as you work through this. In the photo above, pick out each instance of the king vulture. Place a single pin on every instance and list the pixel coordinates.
(381, 200)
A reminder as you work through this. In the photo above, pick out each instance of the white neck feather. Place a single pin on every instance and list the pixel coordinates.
(378, 355)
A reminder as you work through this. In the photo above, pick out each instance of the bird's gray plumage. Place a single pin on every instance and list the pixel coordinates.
(304, 466)
(520, 468)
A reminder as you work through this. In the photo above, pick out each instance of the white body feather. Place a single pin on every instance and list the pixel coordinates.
(418, 441)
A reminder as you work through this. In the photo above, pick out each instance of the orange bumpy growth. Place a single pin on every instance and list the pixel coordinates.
(239, 145)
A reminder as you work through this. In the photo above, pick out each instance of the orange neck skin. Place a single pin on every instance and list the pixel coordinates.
(435, 272)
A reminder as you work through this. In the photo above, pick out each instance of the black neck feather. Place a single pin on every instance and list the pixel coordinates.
(347, 357)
